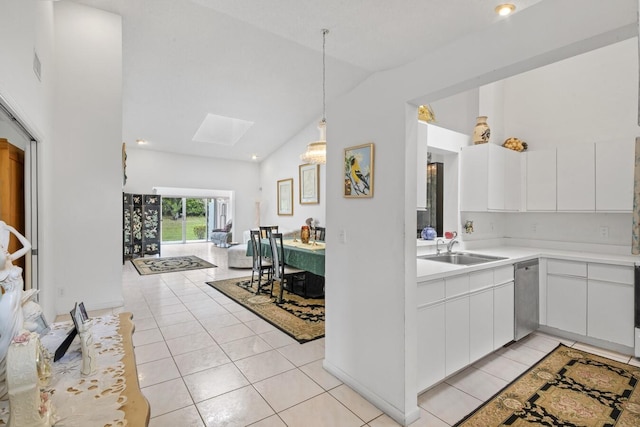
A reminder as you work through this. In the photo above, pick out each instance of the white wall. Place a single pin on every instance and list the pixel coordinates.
(370, 337)
(83, 164)
(588, 98)
(147, 169)
(26, 26)
(283, 164)
(584, 99)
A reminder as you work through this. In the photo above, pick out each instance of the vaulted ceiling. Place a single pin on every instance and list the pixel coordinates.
(261, 61)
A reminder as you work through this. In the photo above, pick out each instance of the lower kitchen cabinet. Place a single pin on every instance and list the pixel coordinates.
(461, 319)
(431, 345)
(591, 299)
(567, 303)
(610, 312)
(481, 311)
(503, 315)
(456, 334)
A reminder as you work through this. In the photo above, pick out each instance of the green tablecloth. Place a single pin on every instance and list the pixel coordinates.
(304, 259)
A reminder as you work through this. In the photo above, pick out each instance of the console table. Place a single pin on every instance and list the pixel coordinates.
(116, 378)
(137, 407)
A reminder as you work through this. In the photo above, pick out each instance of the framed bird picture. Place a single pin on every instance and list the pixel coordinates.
(358, 171)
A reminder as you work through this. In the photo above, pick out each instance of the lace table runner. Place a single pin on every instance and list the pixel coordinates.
(94, 400)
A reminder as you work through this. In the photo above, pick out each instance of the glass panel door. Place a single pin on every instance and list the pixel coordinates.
(196, 219)
(172, 228)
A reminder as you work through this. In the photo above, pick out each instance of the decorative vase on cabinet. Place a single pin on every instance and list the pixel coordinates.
(481, 131)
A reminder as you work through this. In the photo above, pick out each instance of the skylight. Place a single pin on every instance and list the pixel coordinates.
(221, 130)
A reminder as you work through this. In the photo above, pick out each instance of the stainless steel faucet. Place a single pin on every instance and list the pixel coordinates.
(437, 244)
(450, 244)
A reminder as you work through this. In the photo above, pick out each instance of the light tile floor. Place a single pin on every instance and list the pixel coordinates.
(204, 360)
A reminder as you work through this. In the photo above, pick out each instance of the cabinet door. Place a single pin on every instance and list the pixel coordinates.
(480, 324)
(512, 180)
(496, 176)
(474, 169)
(610, 308)
(456, 334)
(541, 180)
(567, 303)
(503, 315)
(431, 346)
(614, 175)
(576, 177)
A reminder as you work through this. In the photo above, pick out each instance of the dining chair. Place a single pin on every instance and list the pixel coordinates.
(260, 265)
(320, 232)
(266, 230)
(286, 275)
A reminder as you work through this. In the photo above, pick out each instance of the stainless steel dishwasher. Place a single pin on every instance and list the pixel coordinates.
(526, 293)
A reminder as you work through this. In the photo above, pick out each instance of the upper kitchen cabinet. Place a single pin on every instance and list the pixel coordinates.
(490, 178)
(576, 177)
(614, 175)
(541, 180)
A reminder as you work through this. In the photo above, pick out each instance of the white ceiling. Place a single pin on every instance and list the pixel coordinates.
(261, 61)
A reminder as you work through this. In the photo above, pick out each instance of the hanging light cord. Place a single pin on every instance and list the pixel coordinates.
(324, 38)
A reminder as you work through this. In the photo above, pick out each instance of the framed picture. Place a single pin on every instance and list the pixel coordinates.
(358, 171)
(309, 184)
(285, 196)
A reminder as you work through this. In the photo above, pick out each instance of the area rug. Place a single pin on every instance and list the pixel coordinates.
(169, 265)
(301, 318)
(568, 387)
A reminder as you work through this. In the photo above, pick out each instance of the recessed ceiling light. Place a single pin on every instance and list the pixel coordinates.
(142, 141)
(505, 9)
(254, 157)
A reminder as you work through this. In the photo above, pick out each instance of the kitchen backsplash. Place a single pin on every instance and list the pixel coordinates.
(593, 228)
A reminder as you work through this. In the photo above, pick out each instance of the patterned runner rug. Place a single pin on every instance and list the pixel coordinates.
(568, 387)
(301, 318)
(169, 265)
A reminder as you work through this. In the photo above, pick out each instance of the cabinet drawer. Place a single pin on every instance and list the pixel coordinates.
(456, 285)
(429, 292)
(567, 268)
(611, 273)
(503, 274)
(480, 279)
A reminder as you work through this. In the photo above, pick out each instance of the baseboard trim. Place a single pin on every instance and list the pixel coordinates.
(380, 403)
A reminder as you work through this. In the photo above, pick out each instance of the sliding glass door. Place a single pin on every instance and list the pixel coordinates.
(184, 219)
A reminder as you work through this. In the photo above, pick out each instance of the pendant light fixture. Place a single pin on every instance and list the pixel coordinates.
(317, 151)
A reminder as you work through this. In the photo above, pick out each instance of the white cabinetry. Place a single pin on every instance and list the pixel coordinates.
(576, 176)
(591, 299)
(489, 178)
(431, 333)
(541, 180)
(481, 324)
(462, 319)
(610, 303)
(456, 334)
(503, 314)
(614, 175)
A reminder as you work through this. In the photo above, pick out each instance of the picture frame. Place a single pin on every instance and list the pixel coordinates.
(285, 196)
(358, 171)
(309, 184)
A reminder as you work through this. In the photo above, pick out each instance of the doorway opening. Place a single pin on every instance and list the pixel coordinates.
(193, 219)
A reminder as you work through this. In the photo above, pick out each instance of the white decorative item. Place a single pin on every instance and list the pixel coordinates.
(11, 284)
(481, 131)
(86, 344)
(29, 406)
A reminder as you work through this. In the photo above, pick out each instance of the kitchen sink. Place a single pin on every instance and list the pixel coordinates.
(461, 258)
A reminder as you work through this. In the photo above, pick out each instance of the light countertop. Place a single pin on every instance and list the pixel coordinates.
(430, 270)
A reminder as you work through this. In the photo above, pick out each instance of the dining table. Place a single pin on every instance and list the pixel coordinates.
(305, 256)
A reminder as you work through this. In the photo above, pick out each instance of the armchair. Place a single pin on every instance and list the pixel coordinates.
(222, 236)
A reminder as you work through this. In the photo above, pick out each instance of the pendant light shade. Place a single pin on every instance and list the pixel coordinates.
(317, 151)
